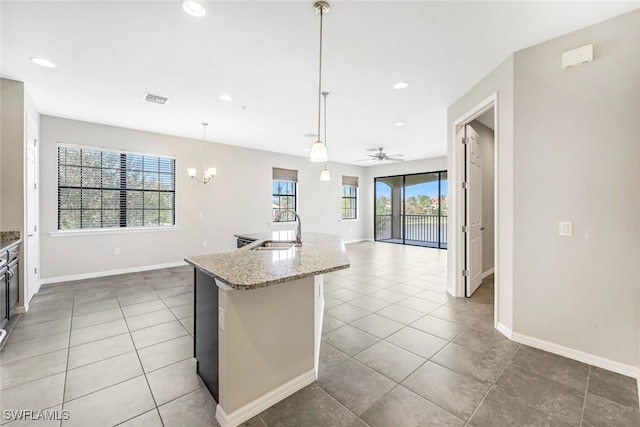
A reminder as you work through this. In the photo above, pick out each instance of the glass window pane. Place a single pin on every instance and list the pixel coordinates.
(134, 218)
(134, 179)
(110, 218)
(134, 162)
(91, 199)
(166, 217)
(111, 178)
(91, 219)
(166, 200)
(151, 218)
(69, 219)
(151, 164)
(151, 181)
(91, 158)
(134, 200)
(91, 177)
(151, 200)
(111, 199)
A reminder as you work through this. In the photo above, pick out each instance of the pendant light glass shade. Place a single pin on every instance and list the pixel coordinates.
(318, 152)
(325, 175)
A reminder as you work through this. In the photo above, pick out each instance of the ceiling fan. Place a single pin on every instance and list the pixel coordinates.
(380, 156)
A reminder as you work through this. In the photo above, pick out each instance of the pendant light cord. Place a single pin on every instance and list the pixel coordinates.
(324, 94)
(204, 148)
(320, 75)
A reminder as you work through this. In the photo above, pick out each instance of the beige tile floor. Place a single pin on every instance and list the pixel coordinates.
(397, 351)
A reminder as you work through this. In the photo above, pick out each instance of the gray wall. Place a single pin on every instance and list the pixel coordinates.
(500, 83)
(576, 157)
(568, 149)
(488, 164)
(12, 167)
(237, 200)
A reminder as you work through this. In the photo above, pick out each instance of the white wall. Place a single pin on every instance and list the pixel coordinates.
(488, 164)
(237, 200)
(390, 169)
(577, 158)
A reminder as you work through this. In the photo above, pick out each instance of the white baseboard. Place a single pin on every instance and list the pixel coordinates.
(252, 409)
(21, 309)
(488, 273)
(357, 241)
(504, 330)
(571, 353)
(61, 279)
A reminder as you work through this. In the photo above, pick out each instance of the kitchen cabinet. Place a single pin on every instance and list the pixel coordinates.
(9, 282)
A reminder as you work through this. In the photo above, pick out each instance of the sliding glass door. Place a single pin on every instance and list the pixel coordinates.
(412, 209)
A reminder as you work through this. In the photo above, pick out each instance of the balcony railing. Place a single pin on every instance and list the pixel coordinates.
(418, 228)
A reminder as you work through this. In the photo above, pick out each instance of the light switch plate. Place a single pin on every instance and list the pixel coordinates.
(565, 228)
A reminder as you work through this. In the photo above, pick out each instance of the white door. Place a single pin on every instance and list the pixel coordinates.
(31, 243)
(473, 212)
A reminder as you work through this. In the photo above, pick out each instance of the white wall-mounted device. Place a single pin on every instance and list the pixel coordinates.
(581, 55)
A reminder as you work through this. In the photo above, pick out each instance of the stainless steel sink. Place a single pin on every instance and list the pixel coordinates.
(275, 245)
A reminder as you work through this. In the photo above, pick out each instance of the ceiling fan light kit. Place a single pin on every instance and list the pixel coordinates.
(381, 156)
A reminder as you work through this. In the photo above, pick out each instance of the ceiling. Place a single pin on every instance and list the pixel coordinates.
(264, 55)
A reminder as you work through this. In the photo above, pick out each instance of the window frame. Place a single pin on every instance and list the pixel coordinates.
(354, 198)
(122, 222)
(274, 211)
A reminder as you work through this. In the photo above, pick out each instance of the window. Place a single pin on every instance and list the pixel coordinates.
(114, 189)
(284, 193)
(349, 197)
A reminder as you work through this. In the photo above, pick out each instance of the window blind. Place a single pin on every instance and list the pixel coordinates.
(111, 189)
(350, 180)
(280, 174)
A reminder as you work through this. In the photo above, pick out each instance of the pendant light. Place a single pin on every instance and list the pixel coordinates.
(208, 173)
(318, 149)
(325, 175)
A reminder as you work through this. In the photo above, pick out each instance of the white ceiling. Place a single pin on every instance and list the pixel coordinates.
(265, 55)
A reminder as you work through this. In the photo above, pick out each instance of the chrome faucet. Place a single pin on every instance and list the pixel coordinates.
(298, 230)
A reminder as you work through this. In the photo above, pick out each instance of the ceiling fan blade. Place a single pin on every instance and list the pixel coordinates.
(395, 155)
(394, 159)
(372, 149)
(365, 160)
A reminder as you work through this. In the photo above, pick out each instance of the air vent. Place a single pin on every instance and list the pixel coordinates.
(155, 99)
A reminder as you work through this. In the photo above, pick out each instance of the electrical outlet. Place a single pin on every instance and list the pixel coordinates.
(116, 251)
(204, 243)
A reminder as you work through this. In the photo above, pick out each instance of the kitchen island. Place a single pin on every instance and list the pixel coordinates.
(258, 319)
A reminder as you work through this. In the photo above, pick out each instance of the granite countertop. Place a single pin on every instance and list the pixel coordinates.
(244, 269)
(8, 238)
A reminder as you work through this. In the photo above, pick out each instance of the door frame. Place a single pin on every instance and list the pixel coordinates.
(456, 284)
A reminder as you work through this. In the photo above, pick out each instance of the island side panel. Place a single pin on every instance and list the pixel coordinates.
(205, 342)
(268, 341)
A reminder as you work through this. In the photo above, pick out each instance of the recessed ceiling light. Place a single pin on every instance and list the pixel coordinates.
(225, 98)
(401, 85)
(193, 8)
(400, 124)
(43, 62)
